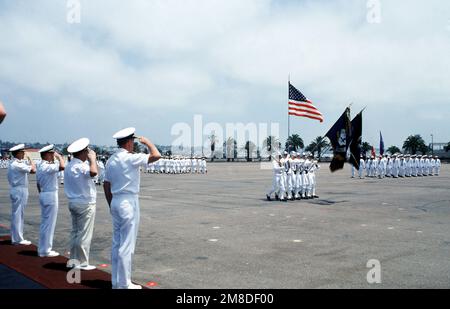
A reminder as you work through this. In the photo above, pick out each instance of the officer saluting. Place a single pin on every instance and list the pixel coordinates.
(18, 172)
(47, 182)
(122, 180)
(82, 194)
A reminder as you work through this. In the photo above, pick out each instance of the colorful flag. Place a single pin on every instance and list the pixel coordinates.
(300, 106)
(339, 136)
(381, 144)
(356, 140)
(374, 154)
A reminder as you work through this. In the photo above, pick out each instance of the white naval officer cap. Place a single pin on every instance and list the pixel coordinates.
(17, 148)
(48, 148)
(78, 145)
(124, 133)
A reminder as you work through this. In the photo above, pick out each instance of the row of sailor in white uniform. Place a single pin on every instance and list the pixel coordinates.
(178, 165)
(399, 165)
(293, 177)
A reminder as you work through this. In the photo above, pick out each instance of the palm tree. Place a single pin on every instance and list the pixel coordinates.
(365, 147)
(249, 147)
(213, 139)
(414, 143)
(294, 141)
(318, 144)
(447, 148)
(271, 143)
(393, 149)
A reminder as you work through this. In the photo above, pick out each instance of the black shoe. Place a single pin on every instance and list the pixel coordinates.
(268, 197)
(276, 197)
(315, 196)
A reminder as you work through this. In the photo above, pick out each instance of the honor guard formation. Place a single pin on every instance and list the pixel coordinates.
(121, 178)
(293, 177)
(398, 166)
(178, 165)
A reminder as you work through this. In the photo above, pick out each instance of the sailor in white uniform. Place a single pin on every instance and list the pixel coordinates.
(312, 178)
(122, 181)
(437, 163)
(362, 166)
(278, 186)
(427, 166)
(408, 166)
(432, 166)
(368, 164)
(18, 171)
(413, 166)
(297, 179)
(47, 182)
(82, 195)
(423, 166)
(305, 179)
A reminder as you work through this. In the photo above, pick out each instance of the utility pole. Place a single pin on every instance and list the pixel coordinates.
(432, 145)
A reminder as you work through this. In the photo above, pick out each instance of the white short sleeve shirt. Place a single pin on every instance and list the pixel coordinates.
(78, 185)
(47, 176)
(123, 171)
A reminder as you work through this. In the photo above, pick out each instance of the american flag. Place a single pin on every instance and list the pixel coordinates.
(300, 106)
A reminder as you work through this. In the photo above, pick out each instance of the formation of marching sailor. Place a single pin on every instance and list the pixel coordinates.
(294, 177)
(399, 166)
(178, 165)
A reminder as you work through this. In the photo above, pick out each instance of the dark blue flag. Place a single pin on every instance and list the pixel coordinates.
(356, 140)
(381, 144)
(340, 137)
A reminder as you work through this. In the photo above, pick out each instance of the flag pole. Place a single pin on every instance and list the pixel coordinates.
(289, 118)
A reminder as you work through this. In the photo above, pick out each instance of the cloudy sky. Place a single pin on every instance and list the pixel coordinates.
(151, 64)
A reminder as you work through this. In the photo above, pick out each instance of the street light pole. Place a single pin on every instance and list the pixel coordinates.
(432, 145)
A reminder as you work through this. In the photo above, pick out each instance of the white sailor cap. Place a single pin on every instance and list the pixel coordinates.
(128, 132)
(49, 148)
(17, 148)
(78, 145)
(285, 152)
(293, 153)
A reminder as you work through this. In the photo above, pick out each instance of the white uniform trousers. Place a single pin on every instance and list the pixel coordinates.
(290, 184)
(125, 215)
(19, 199)
(305, 183)
(49, 212)
(83, 216)
(360, 172)
(312, 184)
(277, 186)
(298, 184)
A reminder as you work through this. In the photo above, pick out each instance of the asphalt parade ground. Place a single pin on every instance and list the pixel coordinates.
(218, 231)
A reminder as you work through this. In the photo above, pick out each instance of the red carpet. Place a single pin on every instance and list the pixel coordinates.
(48, 272)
